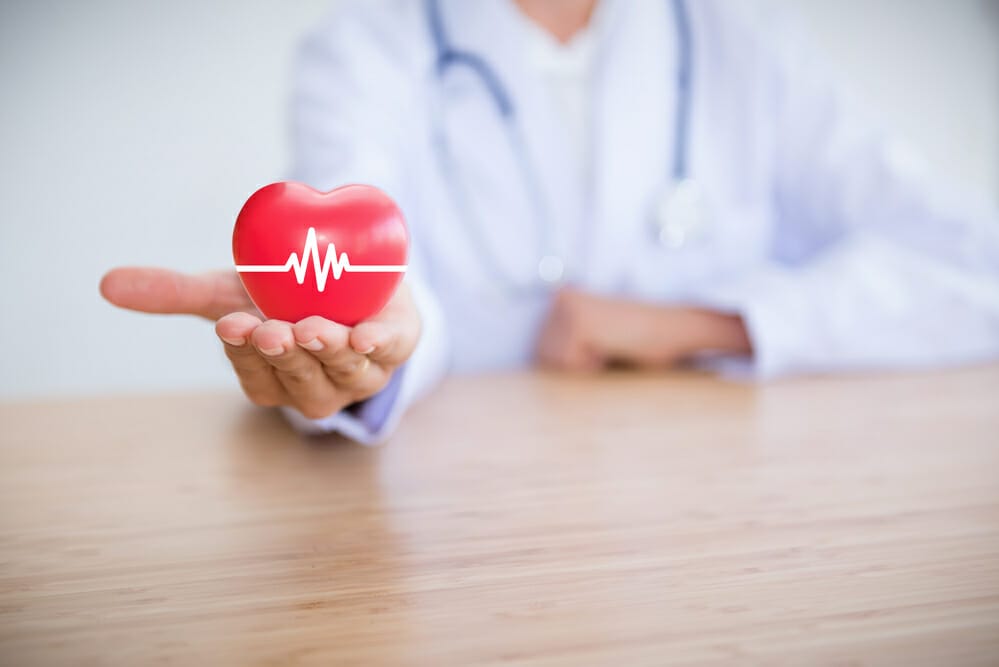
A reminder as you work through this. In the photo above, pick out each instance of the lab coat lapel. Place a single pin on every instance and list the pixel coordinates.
(494, 30)
(634, 97)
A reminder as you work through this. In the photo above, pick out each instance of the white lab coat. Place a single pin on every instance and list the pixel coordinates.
(835, 250)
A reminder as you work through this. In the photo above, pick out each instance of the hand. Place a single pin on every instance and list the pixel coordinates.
(584, 332)
(315, 365)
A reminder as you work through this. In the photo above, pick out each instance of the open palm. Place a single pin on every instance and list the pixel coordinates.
(315, 365)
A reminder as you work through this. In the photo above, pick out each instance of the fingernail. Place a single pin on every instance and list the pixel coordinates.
(234, 341)
(369, 350)
(314, 345)
(271, 351)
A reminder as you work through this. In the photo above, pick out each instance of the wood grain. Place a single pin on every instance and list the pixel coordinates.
(522, 519)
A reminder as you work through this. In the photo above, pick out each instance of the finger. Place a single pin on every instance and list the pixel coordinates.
(390, 337)
(552, 354)
(545, 351)
(329, 343)
(552, 339)
(153, 290)
(256, 376)
(560, 349)
(235, 329)
(570, 360)
(575, 356)
(387, 342)
(584, 360)
(299, 372)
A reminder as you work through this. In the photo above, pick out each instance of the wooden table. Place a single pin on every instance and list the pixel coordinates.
(529, 519)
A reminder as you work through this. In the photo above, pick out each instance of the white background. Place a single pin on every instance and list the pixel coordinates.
(131, 132)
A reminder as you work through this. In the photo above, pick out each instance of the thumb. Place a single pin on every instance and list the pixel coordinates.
(390, 336)
(153, 290)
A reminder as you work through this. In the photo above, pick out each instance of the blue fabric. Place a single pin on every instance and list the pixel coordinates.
(373, 412)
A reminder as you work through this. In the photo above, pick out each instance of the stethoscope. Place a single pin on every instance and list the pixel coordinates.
(677, 213)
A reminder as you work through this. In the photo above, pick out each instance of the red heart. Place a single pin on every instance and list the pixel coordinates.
(355, 236)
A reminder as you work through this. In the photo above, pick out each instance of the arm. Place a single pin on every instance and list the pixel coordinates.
(870, 266)
(326, 376)
(315, 367)
(874, 266)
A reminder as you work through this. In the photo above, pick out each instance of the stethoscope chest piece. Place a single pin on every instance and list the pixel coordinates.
(680, 214)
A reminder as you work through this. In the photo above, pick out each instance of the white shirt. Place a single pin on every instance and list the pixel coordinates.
(566, 71)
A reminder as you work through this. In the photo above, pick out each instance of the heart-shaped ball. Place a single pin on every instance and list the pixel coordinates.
(339, 254)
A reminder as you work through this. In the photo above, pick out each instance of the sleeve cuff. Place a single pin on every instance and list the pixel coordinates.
(772, 309)
(364, 422)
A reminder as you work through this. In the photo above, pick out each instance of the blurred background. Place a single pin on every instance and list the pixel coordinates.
(132, 132)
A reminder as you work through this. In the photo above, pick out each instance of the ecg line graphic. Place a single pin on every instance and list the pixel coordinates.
(328, 265)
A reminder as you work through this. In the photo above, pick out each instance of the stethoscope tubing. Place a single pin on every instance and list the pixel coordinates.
(447, 57)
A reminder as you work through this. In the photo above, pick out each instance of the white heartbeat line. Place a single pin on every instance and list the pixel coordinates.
(329, 265)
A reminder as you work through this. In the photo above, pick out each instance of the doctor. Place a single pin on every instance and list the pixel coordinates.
(637, 181)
